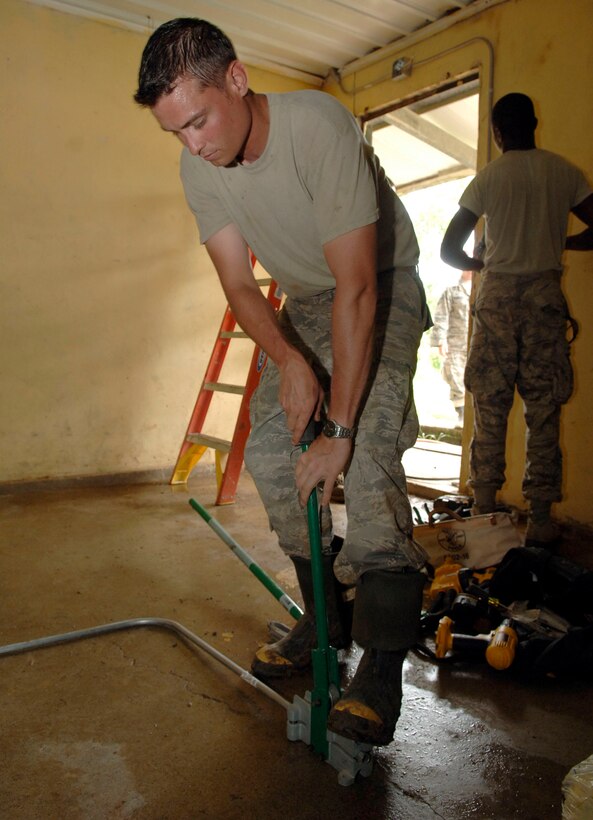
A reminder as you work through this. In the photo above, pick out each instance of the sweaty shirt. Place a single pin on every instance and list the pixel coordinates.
(316, 179)
(525, 197)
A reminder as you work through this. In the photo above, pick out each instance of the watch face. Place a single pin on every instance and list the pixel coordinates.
(330, 429)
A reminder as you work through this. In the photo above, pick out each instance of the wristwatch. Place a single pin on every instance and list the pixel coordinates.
(331, 429)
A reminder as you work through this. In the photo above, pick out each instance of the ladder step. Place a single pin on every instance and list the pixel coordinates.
(210, 441)
(195, 444)
(219, 387)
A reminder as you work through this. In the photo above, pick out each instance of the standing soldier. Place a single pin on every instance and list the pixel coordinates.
(520, 313)
(449, 335)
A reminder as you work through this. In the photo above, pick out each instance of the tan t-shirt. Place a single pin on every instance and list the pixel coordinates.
(317, 179)
(525, 197)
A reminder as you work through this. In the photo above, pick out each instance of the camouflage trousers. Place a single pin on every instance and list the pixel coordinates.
(519, 339)
(379, 520)
(453, 373)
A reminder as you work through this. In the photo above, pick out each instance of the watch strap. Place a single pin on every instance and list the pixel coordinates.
(333, 429)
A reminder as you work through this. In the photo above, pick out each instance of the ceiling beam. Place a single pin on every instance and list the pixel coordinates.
(434, 136)
(446, 175)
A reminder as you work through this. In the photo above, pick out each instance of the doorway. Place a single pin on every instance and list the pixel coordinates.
(428, 148)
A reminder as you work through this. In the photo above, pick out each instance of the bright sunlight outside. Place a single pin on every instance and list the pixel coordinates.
(431, 210)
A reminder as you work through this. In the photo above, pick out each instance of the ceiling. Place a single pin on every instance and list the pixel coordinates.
(430, 141)
(300, 38)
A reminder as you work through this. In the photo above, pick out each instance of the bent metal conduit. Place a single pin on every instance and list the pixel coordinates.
(161, 623)
(346, 756)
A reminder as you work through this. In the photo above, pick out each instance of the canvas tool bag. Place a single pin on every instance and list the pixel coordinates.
(477, 541)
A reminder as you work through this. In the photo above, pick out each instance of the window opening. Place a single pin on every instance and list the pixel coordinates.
(428, 148)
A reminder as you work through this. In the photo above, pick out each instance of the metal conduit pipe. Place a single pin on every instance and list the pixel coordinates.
(161, 623)
(418, 36)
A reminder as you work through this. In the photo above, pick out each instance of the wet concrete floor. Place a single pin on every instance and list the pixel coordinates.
(137, 724)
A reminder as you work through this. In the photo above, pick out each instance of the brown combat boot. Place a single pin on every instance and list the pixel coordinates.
(484, 500)
(292, 653)
(386, 623)
(541, 530)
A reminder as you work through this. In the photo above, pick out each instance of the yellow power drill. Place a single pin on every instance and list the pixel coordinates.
(499, 646)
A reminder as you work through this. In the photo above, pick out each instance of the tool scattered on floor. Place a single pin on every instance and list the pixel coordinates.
(498, 646)
(532, 613)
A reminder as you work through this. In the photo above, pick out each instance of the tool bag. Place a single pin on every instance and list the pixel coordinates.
(477, 541)
(543, 579)
(530, 578)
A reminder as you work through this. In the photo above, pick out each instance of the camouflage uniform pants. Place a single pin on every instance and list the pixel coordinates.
(379, 527)
(519, 338)
(453, 374)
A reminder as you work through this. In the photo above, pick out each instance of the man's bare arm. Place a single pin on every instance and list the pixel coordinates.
(582, 241)
(352, 260)
(455, 238)
(301, 395)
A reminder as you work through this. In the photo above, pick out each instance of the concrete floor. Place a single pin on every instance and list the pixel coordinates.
(136, 724)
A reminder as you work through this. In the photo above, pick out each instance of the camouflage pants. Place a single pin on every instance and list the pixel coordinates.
(453, 374)
(379, 527)
(519, 339)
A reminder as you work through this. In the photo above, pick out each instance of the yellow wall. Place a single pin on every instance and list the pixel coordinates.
(541, 48)
(109, 307)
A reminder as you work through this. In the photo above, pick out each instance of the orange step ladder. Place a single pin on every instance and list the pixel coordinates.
(196, 443)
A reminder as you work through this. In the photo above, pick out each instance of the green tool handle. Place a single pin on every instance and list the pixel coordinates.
(317, 568)
(307, 438)
(291, 606)
(326, 677)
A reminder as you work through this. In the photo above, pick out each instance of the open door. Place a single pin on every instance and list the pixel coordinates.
(428, 148)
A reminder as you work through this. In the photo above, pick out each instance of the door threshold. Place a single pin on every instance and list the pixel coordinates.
(432, 468)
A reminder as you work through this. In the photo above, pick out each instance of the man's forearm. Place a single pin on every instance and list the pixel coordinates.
(254, 313)
(352, 260)
(352, 347)
(458, 258)
(580, 241)
(300, 394)
(257, 318)
(454, 241)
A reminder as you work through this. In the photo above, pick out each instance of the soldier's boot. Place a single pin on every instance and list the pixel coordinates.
(484, 500)
(541, 531)
(386, 624)
(292, 653)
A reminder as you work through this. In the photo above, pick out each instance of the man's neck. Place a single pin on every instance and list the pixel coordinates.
(260, 128)
(518, 145)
